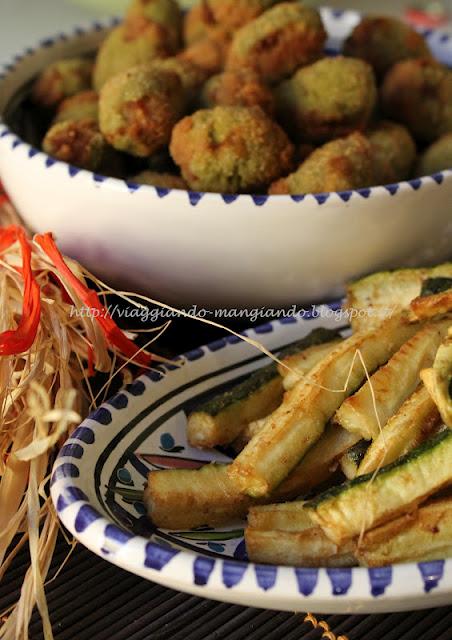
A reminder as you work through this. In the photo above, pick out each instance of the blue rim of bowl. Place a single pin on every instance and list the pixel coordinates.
(156, 557)
(442, 38)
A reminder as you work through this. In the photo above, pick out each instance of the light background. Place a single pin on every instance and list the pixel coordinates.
(24, 22)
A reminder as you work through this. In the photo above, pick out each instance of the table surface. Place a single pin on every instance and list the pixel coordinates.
(91, 599)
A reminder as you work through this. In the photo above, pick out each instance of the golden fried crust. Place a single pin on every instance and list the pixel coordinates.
(328, 99)
(163, 36)
(61, 80)
(161, 180)
(128, 45)
(77, 142)
(138, 109)
(146, 120)
(190, 75)
(242, 88)
(394, 152)
(230, 149)
(209, 53)
(163, 15)
(418, 93)
(340, 165)
(279, 188)
(280, 40)
(274, 56)
(233, 14)
(230, 15)
(383, 41)
(198, 23)
(82, 105)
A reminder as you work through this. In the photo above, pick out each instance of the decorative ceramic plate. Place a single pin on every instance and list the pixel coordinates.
(98, 481)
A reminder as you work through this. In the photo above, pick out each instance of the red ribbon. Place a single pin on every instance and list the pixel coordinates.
(16, 341)
(113, 334)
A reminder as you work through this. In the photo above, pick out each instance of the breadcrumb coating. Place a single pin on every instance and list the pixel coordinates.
(230, 150)
(340, 165)
(78, 142)
(165, 13)
(138, 109)
(328, 99)
(418, 93)
(83, 105)
(125, 47)
(383, 41)
(279, 41)
(394, 152)
(60, 80)
(238, 88)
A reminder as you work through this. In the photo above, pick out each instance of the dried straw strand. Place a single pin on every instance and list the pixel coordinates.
(323, 626)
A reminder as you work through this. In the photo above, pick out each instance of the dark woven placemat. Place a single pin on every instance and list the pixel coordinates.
(91, 599)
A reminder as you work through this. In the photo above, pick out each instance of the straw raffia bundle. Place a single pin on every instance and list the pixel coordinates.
(48, 351)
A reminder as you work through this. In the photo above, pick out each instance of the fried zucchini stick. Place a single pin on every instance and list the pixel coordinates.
(302, 363)
(352, 458)
(368, 410)
(431, 306)
(309, 548)
(184, 499)
(435, 299)
(373, 297)
(349, 510)
(319, 464)
(423, 535)
(438, 380)
(287, 516)
(221, 420)
(284, 534)
(408, 428)
(301, 419)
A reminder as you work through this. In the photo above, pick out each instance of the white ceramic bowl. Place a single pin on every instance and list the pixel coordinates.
(220, 250)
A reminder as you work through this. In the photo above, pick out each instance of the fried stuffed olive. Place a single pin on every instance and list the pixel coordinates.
(126, 47)
(279, 41)
(418, 93)
(230, 150)
(383, 41)
(61, 80)
(242, 88)
(436, 157)
(78, 142)
(394, 152)
(83, 105)
(138, 109)
(340, 165)
(328, 99)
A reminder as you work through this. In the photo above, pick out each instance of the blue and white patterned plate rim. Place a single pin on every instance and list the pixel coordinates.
(424, 584)
(440, 40)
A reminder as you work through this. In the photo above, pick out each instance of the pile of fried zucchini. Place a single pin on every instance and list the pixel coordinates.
(344, 449)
